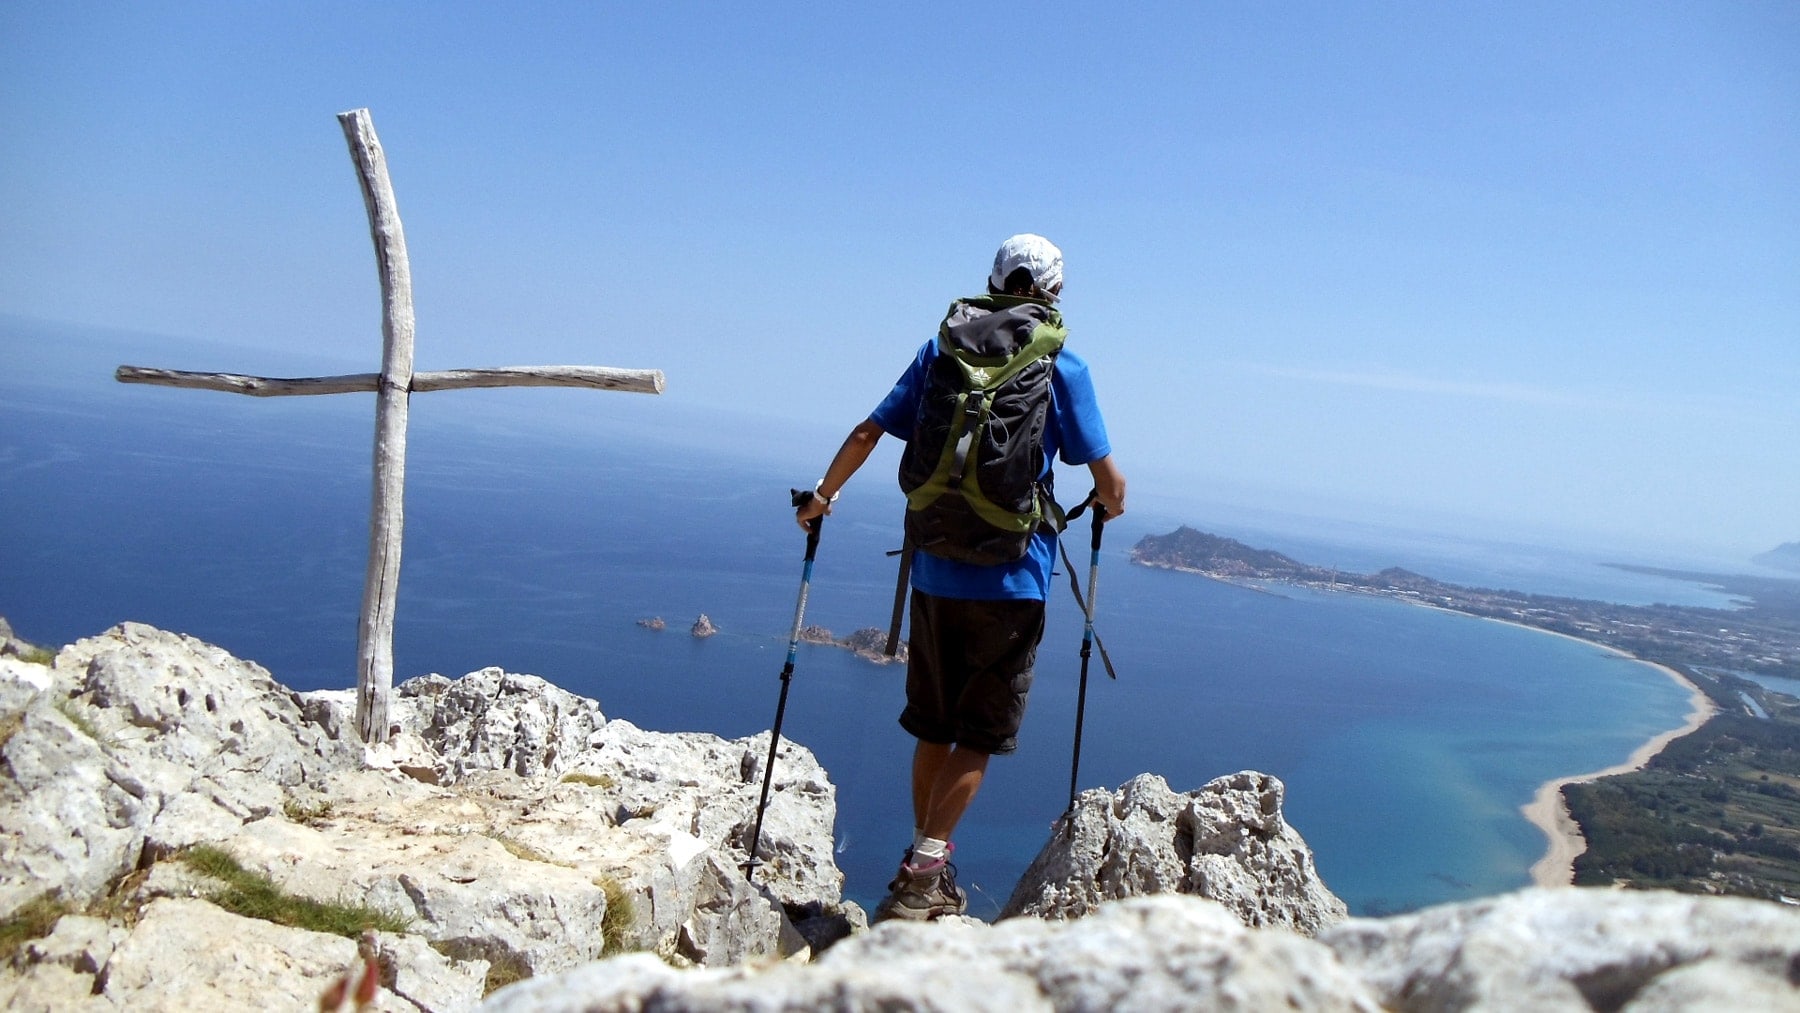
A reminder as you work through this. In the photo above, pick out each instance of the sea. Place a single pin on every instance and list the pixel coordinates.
(543, 526)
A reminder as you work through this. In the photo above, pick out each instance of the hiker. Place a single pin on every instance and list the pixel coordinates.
(976, 622)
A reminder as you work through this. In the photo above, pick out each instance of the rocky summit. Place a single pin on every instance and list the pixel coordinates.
(509, 830)
(166, 809)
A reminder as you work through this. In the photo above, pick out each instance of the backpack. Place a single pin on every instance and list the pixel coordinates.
(971, 469)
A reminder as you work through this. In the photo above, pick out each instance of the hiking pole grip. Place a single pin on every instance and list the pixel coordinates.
(799, 498)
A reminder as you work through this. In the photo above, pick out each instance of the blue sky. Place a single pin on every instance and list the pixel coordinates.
(1528, 269)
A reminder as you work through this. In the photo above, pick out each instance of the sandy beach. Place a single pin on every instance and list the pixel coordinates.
(1547, 811)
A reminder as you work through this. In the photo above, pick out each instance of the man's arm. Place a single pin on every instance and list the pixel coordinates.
(856, 449)
(1109, 485)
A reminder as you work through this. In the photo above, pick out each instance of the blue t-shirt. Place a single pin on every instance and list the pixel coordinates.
(1076, 432)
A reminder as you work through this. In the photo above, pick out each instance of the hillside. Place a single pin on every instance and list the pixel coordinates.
(1782, 557)
(1188, 549)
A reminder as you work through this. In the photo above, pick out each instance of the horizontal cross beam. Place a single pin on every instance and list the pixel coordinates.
(641, 381)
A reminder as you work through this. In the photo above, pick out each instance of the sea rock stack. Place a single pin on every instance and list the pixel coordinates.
(1225, 841)
(703, 627)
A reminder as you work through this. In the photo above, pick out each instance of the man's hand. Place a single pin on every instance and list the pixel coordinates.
(812, 508)
(1109, 486)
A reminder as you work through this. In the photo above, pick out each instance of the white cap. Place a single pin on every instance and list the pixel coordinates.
(1034, 253)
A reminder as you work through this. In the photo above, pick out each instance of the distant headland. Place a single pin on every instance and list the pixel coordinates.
(1785, 556)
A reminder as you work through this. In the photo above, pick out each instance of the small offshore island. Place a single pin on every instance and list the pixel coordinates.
(1713, 807)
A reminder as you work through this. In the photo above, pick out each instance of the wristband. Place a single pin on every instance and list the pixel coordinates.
(821, 497)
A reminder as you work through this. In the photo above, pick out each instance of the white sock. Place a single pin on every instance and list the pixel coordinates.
(928, 849)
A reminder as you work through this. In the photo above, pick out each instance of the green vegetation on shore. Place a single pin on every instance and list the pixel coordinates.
(1717, 811)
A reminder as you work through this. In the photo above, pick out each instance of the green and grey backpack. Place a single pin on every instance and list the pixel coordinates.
(971, 469)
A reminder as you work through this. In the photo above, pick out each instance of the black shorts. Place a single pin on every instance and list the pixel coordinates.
(970, 670)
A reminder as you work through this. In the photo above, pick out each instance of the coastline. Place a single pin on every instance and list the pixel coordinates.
(1548, 812)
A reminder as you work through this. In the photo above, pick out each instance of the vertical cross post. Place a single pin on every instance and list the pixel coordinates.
(375, 634)
(393, 388)
(381, 582)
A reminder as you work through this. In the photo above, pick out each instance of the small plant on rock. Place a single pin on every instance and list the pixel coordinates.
(620, 916)
(255, 895)
(33, 921)
(308, 815)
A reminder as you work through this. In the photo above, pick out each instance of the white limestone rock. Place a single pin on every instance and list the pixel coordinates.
(139, 744)
(21, 682)
(497, 720)
(71, 819)
(188, 954)
(1226, 841)
(709, 787)
(1538, 950)
(690, 784)
(466, 892)
(1150, 953)
(173, 698)
(1580, 950)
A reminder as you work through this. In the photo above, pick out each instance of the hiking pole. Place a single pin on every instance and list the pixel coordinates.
(800, 498)
(1087, 633)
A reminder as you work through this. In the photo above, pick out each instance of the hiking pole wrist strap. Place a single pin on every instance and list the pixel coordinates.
(1081, 603)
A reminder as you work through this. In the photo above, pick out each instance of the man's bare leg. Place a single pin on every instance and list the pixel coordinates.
(945, 780)
(928, 759)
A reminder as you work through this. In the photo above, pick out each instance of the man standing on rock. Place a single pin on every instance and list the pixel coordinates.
(977, 605)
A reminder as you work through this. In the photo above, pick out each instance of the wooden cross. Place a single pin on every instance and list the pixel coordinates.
(393, 386)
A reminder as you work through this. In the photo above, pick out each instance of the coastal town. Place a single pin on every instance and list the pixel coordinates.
(1711, 808)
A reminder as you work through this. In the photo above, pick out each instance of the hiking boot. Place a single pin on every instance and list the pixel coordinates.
(923, 892)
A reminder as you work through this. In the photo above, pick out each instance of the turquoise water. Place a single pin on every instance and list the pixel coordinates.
(1408, 738)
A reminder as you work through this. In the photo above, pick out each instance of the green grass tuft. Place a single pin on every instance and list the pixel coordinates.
(33, 921)
(620, 916)
(254, 895)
